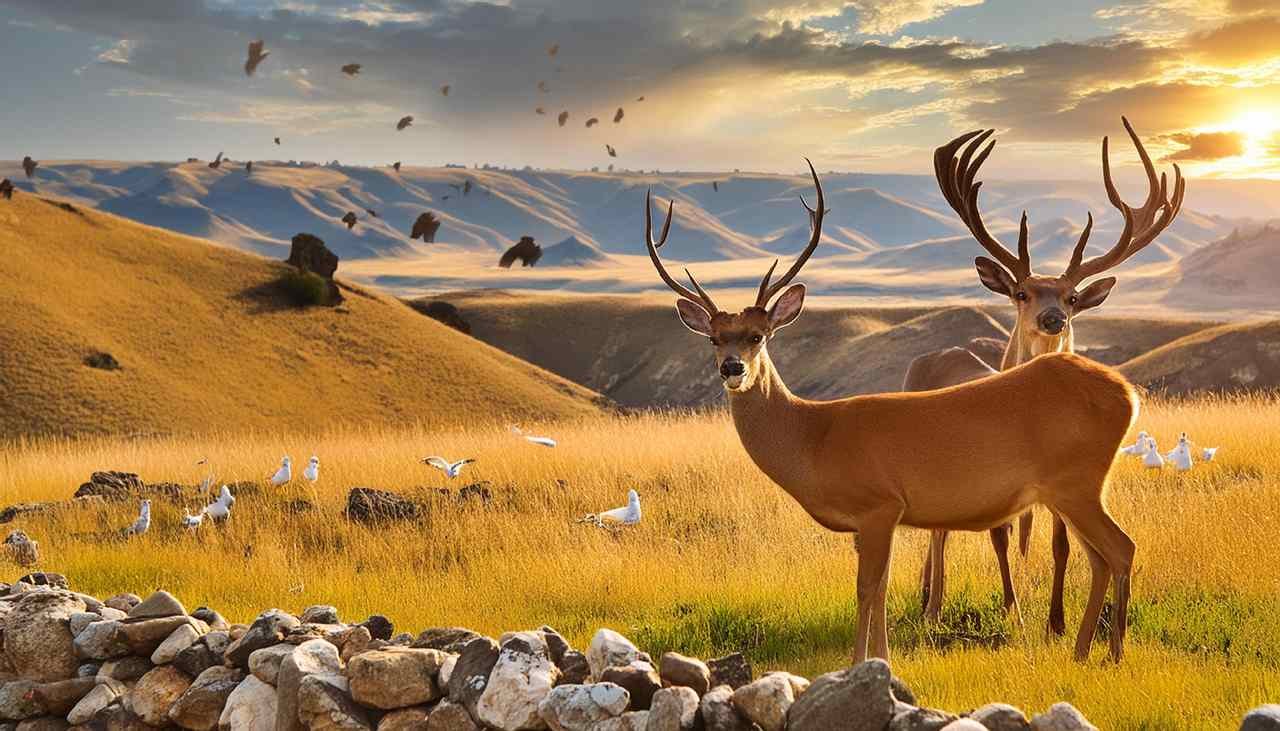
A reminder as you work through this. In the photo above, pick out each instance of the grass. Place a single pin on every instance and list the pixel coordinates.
(723, 560)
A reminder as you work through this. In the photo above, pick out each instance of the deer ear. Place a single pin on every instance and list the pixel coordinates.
(1095, 294)
(787, 308)
(694, 317)
(994, 277)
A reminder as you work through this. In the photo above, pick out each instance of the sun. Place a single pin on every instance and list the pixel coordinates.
(1256, 124)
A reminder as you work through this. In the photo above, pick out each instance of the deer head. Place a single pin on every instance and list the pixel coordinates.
(1046, 304)
(739, 339)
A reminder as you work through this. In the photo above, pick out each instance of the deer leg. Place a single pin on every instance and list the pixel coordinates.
(926, 573)
(1113, 547)
(1061, 550)
(1101, 576)
(873, 578)
(1000, 542)
(936, 579)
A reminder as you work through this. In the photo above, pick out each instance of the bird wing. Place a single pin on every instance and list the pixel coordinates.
(439, 463)
(462, 462)
(508, 258)
(543, 441)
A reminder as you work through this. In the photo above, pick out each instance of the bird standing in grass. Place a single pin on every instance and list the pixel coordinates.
(1181, 454)
(312, 472)
(1138, 448)
(451, 469)
(220, 509)
(284, 474)
(1152, 459)
(627, 515)
(143, 523)
(193, 521)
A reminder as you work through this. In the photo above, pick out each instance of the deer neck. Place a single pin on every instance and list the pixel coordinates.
(1025, 343)
(775, 427)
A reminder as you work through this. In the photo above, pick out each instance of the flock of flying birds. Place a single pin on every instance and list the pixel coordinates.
(1181, 457)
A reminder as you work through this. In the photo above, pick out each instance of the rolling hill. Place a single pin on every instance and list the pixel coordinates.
(1234, 357)
(115, 327)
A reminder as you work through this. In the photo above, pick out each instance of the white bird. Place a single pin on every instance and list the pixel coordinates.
(1152, 459)
(452, 469)
(220, 509)
(541, 441)
(1138, 448)
(284, 474)
(1208, 453)
(1180, 456)
(143, 523)
(629, 515)
(193, 521)
(312, 472)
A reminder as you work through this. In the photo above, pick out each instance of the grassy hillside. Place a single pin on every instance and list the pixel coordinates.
(1236, 357)
(206, 341)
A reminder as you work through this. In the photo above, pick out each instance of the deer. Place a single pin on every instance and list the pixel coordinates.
(1046, 307)
(842, 462)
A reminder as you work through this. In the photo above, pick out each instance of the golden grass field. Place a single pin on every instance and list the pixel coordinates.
(723, 560)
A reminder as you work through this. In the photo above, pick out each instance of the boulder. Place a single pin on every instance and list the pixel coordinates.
(18, 701)
(80, 620)
(324, 704)
(123, 602)
(610, 649)
(250, 707)
(579, 707)
(733, 670)
(210, 617)
(155, 693)
(126, 669)
(405, 719)
(111, 485)
(964, 724)
(910, 718)
(101, 640)
(98, 698)
(199, 657)
(521, 678)
(180, 639)
(367, 505)
(765, 701)
(471, 671)
(396, 677)
(1061, 717)
(265, 663)
(557, 645)
(857, 699)
(116, 717)
(449, 639)
(640, 680)
(630, 721)
(1262, 718)
(680, 670)
(450, 716)
(159, 604)
(38, 644)
(46, 723)
(143, 636)
(1002, 717)
(309, 658)
(88, 670)
(380, 628)
(673, 709)
(45, 578)
(574, 668)
(268, 629)
(57, 698)
(355, 641)
(309, 254)
(200, 706)
(719, 714)
(319, 614)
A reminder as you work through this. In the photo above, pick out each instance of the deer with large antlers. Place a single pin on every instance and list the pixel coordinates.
(1046, 307)
(843, 463)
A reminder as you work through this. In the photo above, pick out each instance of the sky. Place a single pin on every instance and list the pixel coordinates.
(856, 85)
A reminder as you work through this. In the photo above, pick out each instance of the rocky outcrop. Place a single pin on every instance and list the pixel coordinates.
(367, 505)
(309, 255)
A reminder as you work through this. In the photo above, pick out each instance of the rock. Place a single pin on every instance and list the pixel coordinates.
(44, 578)
(574, 668)
(673, 709)
(250, 707)
(579, 707)
(380, 628)
(631, 721)
(98, 698)
(964, 724)
(355, 641)
(116, 717)
(1002, 717)
(610, 649)
(268, 629)
(901, 691)
(1262, 718)
(319, 614)
(38, 644)
(309, 253)
(155, 693)
(19, 547)
(732, 670)
(405, 719)
(557, 645)
(446, 671)
(177, 641)
(450, 716)
(159, 604)
(680, 670)
(78, 621)
(309, 658)
(88, 670)
(367, 505)
(856, 699)
(144, 636)
(471, 672)
(640, 680)
(1061, 717)
(265, 663)
(200, 707)
(101, 640)
(719, 714)
(126, 669)
(17, 701)
(211, 618)
(920, 719)
(324, 704)
(200, 657)
(111, 485)
(60, 696)
(396, 677)
(123, 602)
(444, 313)
(47, 723)
(449, 639)
(765, 701)
(521, 678)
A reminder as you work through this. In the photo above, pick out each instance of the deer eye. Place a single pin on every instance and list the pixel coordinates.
(713, 340)
(756, 339)
(1072, 300)
(1022, 296)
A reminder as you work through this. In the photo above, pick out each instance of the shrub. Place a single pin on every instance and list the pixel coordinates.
(306, 288)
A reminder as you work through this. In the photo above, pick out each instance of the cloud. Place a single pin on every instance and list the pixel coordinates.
(1207, 146)
(1240, 42)
(882, 17)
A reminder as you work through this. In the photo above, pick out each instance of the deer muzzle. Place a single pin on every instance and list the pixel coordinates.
(1052, 321)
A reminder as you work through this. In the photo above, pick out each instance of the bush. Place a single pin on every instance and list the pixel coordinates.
(306, 288)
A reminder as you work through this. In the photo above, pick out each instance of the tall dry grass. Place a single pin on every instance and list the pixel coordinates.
(723, 560)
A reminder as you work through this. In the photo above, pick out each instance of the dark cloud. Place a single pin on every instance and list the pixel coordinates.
(1207, 146)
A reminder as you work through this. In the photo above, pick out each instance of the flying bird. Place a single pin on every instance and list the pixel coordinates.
(553, 50)
(6, 189)
(564, 117)
(525, 250)
(640, 99)
(397, 166)
(592, 122)
(532, 439)
(1138, 448)
(627, 515)
(248, 167)
(351, 69)
(277, 140)
(466, 187)
(350, 219)
(539, 110)
(1208, 453)
(1181, 454)
(143, 523)
(542, 87)
(256, 56)
(284, 474)
(372, 212)
(445, 89)
(1152, 459)
(404, 122)
(29, 166)
(312, 472)
(609, 148)
(451, 469)
(425, 228)
(217, 162)
(617, 116)
(715, 185)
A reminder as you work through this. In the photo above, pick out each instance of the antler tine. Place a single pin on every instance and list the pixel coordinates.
(1077, 254)
(956, 178)
(1142, 225)
(700, 297)
(767, 290)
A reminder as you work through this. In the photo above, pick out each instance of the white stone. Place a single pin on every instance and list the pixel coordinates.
(578, 707)
(250, 707)
(265, 663)
(766, 700)
(609, 649)
(519, 682)
(180, 639)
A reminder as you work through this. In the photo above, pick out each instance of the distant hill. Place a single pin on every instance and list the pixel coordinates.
(572, 253)
(113, 327)
(1237, 357)
(1241, 270)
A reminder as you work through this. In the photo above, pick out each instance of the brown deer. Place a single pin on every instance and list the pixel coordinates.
(986, 450)
(1046, 307)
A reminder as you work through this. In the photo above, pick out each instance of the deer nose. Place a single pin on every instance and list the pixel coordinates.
(732, 367)
(1053, 320)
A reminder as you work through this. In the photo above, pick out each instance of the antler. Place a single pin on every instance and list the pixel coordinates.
(1141, 225)
(701, 298)
(955, 177)
(767, 290)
